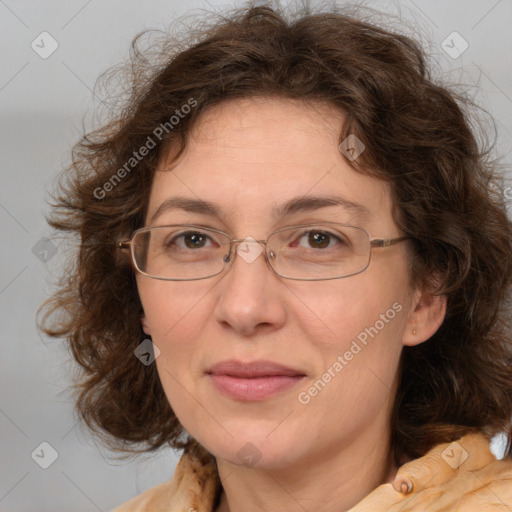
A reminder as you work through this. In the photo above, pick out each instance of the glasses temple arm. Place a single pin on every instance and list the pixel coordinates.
(388, 242)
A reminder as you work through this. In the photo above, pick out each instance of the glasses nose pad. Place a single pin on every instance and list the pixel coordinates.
(227, 257)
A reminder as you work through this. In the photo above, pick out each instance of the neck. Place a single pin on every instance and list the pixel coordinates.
(323, 481)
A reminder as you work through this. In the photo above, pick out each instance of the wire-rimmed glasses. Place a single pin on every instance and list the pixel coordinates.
(306, 252)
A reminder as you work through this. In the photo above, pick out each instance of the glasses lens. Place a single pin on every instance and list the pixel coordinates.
(320, 251)
(179, 252)
(308, 252)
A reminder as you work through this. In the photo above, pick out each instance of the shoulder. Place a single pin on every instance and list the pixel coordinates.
(156, 499)
(461, 476)
(194, 486)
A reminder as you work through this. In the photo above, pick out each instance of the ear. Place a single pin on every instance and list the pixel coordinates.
(427, 314)
(145, 325)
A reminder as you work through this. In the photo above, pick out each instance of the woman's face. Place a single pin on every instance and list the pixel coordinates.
(340, 338)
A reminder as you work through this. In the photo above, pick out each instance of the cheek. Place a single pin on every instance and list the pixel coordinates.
(356, 328)
(360, 307)
(169, 307)
(357, 352)
(175, 314)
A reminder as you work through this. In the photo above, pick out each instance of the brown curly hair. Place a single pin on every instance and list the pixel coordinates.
(419, 139)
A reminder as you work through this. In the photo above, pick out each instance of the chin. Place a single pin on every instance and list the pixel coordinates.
(254, 447)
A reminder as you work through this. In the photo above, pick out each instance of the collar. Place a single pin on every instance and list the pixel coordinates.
(196, 485)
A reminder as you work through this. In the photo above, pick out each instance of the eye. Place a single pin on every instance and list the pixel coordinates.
(318, 239)
(189, 240)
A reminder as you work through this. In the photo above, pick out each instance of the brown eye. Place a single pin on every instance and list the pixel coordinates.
(316, 239)
(189, 240)
(194, 240)
(319, 240)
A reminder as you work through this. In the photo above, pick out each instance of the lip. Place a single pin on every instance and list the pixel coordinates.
(253, 381)
(253, 369)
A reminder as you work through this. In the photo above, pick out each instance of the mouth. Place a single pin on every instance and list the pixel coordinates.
(253, 381)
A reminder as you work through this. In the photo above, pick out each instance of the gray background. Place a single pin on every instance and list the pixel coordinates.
(43, 102)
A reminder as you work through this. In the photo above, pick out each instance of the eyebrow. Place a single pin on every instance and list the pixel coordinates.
(295, 205)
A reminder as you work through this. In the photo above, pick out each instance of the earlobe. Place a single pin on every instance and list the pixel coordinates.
(145, 325)
(425, 319)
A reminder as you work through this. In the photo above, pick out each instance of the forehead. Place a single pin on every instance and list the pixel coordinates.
(251, 156)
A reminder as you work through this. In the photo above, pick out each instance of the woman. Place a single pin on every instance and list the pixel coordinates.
(294, 265)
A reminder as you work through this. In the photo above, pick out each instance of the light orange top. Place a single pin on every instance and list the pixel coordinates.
(462, 476)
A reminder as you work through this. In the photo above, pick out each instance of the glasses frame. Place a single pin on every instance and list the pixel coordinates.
(374, 243)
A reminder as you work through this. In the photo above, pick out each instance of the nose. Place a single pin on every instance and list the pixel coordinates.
(250, 294)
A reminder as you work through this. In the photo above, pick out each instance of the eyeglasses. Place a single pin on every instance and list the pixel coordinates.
(307, 252)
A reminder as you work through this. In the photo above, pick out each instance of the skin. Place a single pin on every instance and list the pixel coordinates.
(249, 155)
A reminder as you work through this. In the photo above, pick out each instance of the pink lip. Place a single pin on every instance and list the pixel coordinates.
(253, 381)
